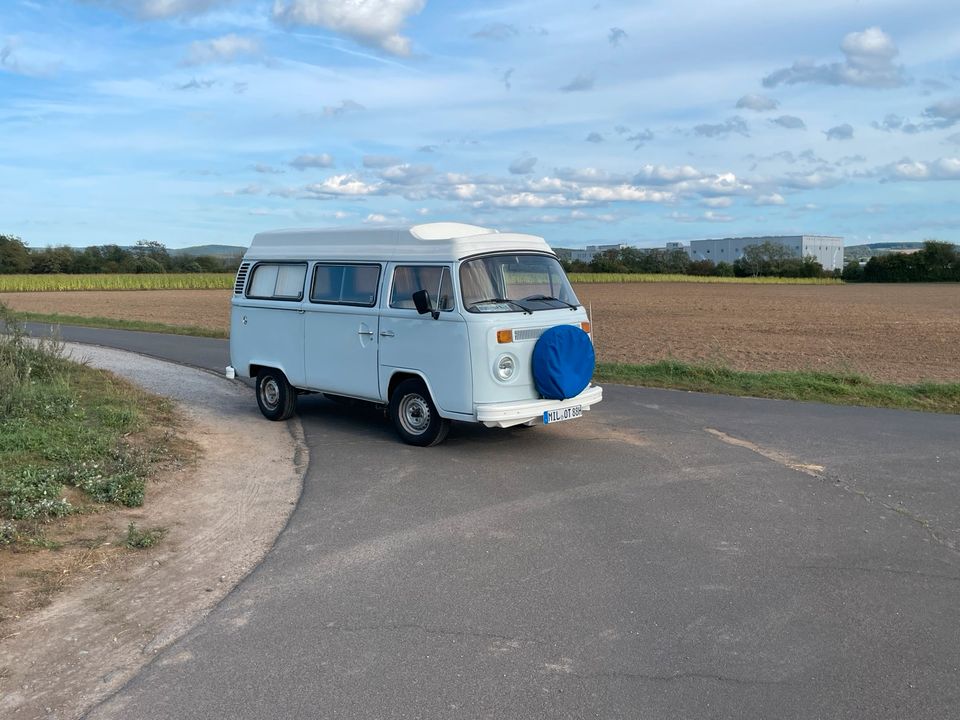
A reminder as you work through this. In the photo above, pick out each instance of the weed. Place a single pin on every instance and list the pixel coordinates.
(140, 539)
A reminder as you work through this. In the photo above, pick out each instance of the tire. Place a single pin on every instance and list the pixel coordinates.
(275, 396)
(414, 415)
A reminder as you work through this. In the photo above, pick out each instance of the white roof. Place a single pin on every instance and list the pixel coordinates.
(431, 242)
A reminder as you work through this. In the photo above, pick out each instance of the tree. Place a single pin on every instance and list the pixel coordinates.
(14, 255)
(766, 258)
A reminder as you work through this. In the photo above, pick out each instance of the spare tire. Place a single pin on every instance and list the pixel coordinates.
(563, 362)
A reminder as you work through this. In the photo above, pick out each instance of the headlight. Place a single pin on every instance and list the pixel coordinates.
(505, 367)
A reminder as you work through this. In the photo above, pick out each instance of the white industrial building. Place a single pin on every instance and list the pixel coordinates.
(587, 254)
(826, 250)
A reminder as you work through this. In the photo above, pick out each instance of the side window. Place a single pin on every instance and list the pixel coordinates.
(435, 279)
(277, 281)
(345, 284)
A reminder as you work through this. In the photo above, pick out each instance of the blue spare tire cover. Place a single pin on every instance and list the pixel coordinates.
(563, 361)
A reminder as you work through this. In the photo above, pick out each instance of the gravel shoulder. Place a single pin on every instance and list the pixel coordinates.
(221, 521)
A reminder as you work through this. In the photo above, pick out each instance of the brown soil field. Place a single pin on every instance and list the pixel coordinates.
(895, 333)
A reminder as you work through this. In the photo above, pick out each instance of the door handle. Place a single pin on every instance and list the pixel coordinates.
(386, 333)
(365, 332)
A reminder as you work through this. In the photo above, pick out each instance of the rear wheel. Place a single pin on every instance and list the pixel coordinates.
(275, 396)
(414, 415)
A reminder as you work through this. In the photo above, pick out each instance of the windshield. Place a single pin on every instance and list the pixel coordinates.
(515, 283)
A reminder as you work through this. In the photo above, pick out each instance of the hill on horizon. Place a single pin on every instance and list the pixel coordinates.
(210, 250)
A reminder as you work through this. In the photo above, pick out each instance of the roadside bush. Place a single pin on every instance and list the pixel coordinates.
(61, 425)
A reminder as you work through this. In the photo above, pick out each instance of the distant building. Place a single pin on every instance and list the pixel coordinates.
(674, 246)
(826, 250)
(586, 254)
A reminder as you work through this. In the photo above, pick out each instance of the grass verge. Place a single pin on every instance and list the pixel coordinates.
(102, 322)
(72, 439)
(836, 389)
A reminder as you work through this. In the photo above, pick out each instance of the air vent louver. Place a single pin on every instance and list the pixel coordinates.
(241, 278)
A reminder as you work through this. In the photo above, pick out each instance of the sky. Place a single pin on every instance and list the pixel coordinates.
(192, 122)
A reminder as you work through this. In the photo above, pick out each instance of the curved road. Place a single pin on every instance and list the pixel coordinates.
(671, 555)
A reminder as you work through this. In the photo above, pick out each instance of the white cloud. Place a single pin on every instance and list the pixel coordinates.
(522, 166)
(757, 103)
(663, 175)
(735, 124)
(809, 181)
(717, 202)
(840, 132)
(302, 162)
(771, 199)
(947, 168)
(162, 9)
(342, 185)
(221, 49)
(376, 23)
(868, 63)
(405, 173)
(624, 193)
(343, 108)
(945, 113)
(790, 122)
(376, 219)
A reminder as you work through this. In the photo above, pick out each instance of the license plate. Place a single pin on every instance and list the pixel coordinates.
(567, 413)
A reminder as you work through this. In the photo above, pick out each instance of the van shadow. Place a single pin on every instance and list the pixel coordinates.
(355, 420)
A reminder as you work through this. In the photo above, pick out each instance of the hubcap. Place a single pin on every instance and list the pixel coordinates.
(271, 392)
(414, 414)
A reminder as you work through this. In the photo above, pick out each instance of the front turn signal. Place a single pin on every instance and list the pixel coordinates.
(586, 327)
(504, 336)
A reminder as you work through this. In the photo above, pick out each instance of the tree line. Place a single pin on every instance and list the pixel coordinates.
(766, 259)
(935, 262)
(144, 257)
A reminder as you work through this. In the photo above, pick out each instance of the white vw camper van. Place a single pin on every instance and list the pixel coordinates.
(439, 322)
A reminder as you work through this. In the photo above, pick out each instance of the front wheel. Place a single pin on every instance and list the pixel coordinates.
(275, 396)
(414, 415)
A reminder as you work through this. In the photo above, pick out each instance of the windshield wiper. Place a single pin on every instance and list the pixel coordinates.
(551, 298)
(506, 301)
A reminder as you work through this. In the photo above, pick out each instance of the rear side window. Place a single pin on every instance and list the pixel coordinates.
(277, 281)
(407, 279)
(345, 284)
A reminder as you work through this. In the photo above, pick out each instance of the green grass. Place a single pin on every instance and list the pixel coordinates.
(833, 388)
(140, 539)
(117, 281)
(67, 436)
(590, 278)
(102, 322)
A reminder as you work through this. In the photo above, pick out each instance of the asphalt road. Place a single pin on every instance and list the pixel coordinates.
(671, 555)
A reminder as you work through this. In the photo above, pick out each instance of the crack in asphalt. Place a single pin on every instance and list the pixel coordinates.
(819, 472)
(675, 677)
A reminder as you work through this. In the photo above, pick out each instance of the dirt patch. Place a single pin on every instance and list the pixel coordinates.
(188, 308)
(893, 333)
(115, 611)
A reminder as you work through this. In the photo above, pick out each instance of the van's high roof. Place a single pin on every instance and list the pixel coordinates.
(433, 242)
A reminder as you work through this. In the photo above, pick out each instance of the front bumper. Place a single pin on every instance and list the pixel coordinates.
(526, 411)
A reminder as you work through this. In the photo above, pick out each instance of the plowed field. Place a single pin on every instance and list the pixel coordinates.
(897, 333)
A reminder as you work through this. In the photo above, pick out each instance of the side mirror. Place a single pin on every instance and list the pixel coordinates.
(421, 299)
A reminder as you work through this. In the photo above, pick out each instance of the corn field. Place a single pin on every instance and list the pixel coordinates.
(116, 281)
(662, 278)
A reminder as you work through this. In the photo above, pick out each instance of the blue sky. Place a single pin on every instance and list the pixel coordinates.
(205, 121)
